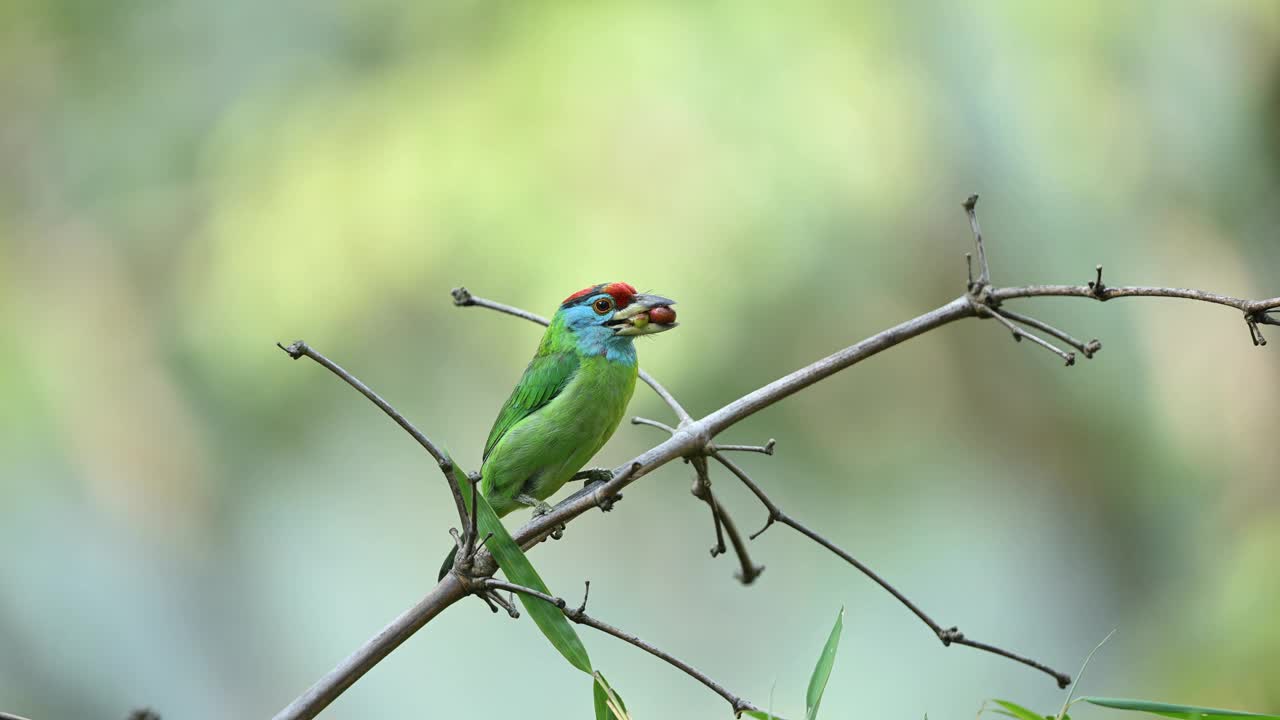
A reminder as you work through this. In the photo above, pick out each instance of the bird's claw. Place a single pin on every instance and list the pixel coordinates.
(541, 508)
(594, 475)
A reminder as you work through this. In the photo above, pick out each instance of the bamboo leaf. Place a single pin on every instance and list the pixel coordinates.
(609, 705)
(822, 671)
(1189, 712)
(1015, 710)
(549, 619)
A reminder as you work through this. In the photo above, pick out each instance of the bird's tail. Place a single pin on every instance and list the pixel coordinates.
(448, 563)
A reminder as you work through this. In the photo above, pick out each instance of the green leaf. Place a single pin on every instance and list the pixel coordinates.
(604, 696)
(1015, 710)
(758, 715)
(822, 671)
(549, 619)
(1190, 712)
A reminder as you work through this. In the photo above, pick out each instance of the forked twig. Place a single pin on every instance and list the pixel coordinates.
(299, 349)
(579, 616)
(946, 635)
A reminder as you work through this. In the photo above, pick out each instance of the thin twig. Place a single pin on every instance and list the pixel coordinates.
(462, 297)
(720, 517)
(299, 349)
(653, 423)
(702, 491)
(327, 689)
(472, 530)
(947, 636)
(724, 524)
(1088, 348)
(1111, 293)
(580, 617)
(766, 449)
(1019, 333)
(10, 716)
(775, 512)
(984, 271)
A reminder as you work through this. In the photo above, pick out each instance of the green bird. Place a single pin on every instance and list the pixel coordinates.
(571, 398)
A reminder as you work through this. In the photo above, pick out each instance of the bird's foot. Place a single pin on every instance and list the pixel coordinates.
(541, 508)
(595, 476)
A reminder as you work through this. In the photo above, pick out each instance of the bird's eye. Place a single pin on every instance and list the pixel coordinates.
(603, 305)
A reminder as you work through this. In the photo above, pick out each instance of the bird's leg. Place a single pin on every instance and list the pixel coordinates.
(599, 475)
(540, 508)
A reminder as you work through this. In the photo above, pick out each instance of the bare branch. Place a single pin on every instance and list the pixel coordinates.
(462, 297)
(1110, 293)
(580, 617)
(1019, 333)
(984, 271)
(300, 348)
(472, 529)
(723, 523)
(653, 423)
(327, 689)
(702, 491)
(766, 449)
(694, 436)
(1088, 348)
(947, 636)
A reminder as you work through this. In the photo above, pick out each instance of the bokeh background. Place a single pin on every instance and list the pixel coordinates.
(192, 522)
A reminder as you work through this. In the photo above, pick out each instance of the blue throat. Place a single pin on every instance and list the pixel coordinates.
(614, 348)
(595, 339)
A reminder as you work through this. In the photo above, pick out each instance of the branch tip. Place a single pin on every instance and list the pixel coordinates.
(1255, 332)
(984, 270)
(1096, 287)
(461, 296)
(295, 350)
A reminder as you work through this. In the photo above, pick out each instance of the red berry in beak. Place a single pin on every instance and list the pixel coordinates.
(662, 315)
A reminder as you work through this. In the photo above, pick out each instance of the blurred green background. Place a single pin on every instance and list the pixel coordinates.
(192, 522)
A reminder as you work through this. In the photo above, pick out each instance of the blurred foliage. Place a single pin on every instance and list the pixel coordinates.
(193, 523)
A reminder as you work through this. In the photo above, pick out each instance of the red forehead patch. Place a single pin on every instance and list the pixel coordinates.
(620, 291)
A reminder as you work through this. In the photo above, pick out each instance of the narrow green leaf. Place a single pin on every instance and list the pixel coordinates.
(758, 715)
(519, 570)
(822, 671)
(1015, 710)
(1190, 712)
(604, 697)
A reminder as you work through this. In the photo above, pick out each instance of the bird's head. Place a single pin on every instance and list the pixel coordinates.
(610, 315)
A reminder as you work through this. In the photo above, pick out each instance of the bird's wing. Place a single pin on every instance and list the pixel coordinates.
(544, 379)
